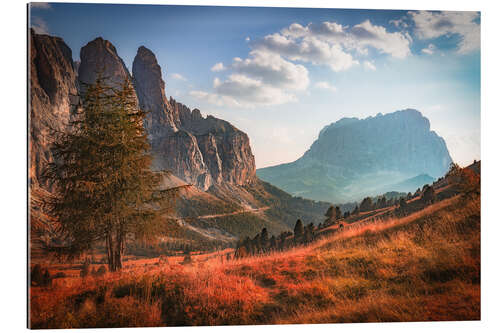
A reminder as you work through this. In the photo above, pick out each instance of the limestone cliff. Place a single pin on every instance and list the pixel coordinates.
(203, 151)
(52, 94)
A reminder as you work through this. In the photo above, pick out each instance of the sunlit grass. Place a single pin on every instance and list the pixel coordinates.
(425, 266)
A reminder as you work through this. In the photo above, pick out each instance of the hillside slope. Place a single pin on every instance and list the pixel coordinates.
(421, 267)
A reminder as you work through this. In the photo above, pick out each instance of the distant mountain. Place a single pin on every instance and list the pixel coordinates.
(409, 185)
(353, 158)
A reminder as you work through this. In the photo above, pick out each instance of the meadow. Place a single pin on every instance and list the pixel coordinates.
(421, 267)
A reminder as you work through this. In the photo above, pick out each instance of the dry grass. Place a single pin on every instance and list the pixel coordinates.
(425, 266)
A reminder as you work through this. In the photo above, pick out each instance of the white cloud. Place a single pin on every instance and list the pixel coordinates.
(429, 49)
(369, 65)
(264, 78)
(365, 34)
(273, 70)
(247, 91)
(401, 23)
(242, 91)
(247, 39)
(308, 49)
(326, 30)
(430, 25)
(178, 76)
(218, 67)
(325, 86)
(358, 37)
(40, 5)
(39, 25)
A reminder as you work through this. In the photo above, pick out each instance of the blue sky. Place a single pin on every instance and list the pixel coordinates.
(282, 74)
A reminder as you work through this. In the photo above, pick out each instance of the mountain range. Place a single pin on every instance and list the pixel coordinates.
(221, 199)
(223, 196)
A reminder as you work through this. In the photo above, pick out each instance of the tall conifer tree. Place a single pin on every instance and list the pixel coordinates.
(106, 189)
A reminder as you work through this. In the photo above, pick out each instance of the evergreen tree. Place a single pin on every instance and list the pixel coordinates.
(272, 242)
(309, 232)
(366, 205)
(264, 238)
(338, 213)
(298, 231)
(428, 195)
(330, 213)
(106, 190)
(256, 244)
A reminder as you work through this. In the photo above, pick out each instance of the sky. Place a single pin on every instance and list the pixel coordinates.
(282, 74)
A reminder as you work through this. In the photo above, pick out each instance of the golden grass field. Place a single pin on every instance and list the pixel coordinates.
(422, 267)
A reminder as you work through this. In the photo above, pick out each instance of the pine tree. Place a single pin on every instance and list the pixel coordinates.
(366, 205)
(330, 213)
(106, 190)
(272, 242)
(309, 232)
(428, 195)
(264, 238)
(298, 230)
(338, 213)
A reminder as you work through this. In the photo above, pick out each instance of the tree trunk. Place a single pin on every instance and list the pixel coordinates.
(120, 247)
(115, 245)
(110, 251)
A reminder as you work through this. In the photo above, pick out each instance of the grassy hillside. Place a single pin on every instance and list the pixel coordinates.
(420, 267)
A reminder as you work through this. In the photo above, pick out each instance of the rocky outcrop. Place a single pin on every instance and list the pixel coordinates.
(53, 93)
(150, 89)
(353, 158)
(202, 151)
(100, 57)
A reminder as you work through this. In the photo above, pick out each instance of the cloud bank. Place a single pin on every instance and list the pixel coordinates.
(275, 70)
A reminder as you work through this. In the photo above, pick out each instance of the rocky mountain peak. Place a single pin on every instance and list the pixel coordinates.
(150, 89)
(100, 55)
(202, 151)
(355, 157)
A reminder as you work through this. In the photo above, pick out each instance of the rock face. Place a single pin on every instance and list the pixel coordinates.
(353, 158)
(202, 151)
(100, 56)
(53, 93)
(150, 88)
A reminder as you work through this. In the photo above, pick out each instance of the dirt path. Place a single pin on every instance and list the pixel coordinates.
(251, 210)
